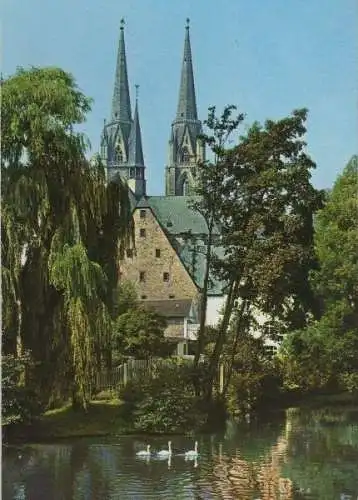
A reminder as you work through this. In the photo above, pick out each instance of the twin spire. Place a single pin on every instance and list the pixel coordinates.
(121, 105)
(121, 143)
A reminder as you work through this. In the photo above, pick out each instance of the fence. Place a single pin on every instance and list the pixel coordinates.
(136, 368)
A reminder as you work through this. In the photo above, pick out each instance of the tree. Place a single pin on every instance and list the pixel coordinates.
(264, 208)
(140, 333)
(209, 176)
(62, 231)
(126, 298)
(328, 347)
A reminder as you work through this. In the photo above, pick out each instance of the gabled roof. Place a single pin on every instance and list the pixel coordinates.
(170, 308)
(132, 200)
(194, 259)
(178, 220)
(176, 216)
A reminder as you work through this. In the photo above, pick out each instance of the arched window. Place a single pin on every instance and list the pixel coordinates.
(185, 187)
(118, 154)
(185, 155)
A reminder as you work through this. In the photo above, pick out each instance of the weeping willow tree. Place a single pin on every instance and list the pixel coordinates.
(63, 230)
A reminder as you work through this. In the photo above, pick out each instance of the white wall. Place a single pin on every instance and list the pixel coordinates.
(214, 309)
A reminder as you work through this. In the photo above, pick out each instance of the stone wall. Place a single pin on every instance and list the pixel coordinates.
(144, 260)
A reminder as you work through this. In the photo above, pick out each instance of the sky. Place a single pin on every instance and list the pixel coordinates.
(268, 57)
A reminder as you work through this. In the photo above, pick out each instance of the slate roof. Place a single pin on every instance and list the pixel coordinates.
(176, 216)
(194, 261)
(170, 308)
(132, 200)
(177, 219)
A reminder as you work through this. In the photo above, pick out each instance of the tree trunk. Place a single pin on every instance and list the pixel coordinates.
(204, 298)
(234, 347)
(214, 361)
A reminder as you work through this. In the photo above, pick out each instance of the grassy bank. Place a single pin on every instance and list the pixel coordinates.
(103, 418)
(111, 417)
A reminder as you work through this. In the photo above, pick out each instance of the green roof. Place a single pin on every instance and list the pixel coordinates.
(194, 260)
(176, 216)
(177, 219)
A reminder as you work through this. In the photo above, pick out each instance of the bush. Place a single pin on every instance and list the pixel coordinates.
(19, 402)
(165, 403)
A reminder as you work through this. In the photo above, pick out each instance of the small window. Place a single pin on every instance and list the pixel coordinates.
(143, 297)
(142, 214)
(131, 173)
(130, 253)
(165, 276)
(142, 233)
(142, 276)
(171, 296)
(157, 252)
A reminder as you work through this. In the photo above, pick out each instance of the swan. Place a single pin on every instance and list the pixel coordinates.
(166, 453)
(144, 453)
(192, 453)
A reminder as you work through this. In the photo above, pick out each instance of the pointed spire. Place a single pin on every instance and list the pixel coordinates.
(187, 102)
(135, 138)
(121, 104)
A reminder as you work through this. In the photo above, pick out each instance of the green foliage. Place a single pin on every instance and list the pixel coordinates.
(260, 195)
(140, 333)
(63, 232)
(167, 402)
(126, 298)
(326, 352)
(255, 383)
(336, 241)
(19, 403)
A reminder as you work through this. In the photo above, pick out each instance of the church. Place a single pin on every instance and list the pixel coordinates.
(167, 262)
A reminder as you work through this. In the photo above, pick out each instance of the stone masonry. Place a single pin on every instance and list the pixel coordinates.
(154, 266)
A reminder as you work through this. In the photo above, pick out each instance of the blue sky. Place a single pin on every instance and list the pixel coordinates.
(266, 56)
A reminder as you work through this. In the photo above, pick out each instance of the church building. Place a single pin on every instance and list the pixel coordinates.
(167, 263)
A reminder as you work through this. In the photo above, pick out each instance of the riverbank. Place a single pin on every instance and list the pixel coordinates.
(111, 417)
(103, 418)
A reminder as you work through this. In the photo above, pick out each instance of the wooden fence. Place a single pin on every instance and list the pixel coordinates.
(135, 369)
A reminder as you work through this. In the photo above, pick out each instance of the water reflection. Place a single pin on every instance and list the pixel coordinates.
(312, 454)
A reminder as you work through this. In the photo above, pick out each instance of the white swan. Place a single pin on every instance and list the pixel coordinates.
(144, 453)
(166, 453)
(192, 453)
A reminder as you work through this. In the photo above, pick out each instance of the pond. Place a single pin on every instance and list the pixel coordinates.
(310, 454)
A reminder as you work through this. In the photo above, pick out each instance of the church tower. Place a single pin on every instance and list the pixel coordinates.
(121, 141)
(185, 147)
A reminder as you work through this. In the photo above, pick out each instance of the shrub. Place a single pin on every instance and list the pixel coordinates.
(167, 402)
(19, 402)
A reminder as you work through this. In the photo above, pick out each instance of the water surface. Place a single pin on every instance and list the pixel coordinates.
(311, 454)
